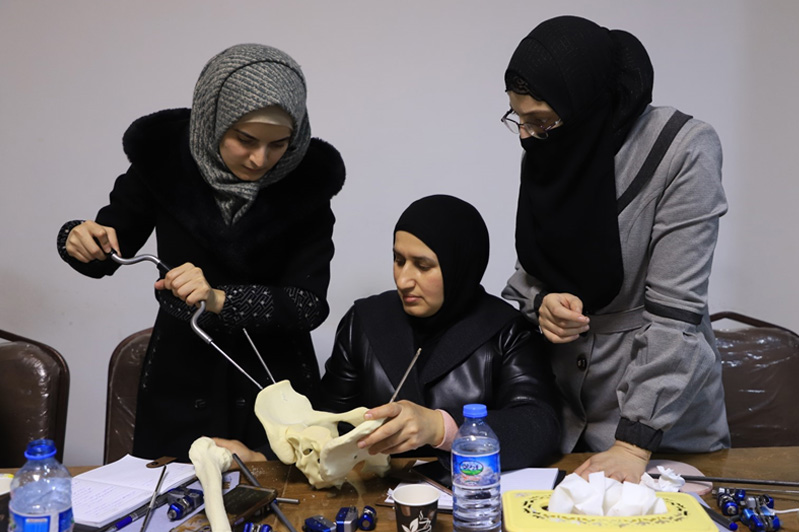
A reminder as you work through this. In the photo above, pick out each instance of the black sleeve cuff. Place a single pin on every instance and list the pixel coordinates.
(61, 241)
(539, 298)
(639, 434)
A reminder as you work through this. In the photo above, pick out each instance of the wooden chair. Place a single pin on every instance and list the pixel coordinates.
(124, 371)
(760, 364)
(34, 393)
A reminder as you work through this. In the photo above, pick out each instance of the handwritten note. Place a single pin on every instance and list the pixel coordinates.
(107, 493)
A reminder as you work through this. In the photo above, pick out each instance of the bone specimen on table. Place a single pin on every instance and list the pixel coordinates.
(210, 461)
(309, 439)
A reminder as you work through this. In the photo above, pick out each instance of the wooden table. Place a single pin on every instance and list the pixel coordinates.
(771, 463)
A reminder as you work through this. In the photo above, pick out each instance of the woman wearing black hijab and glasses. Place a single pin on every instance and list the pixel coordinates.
(475, 348)
(616, 225)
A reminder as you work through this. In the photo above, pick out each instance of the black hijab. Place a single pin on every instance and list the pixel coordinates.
(598, 81)
(467, 319)
(457, 234)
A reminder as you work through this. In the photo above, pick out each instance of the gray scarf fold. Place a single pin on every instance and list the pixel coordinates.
(239, 80)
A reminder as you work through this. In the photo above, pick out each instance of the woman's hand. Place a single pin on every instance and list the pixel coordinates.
(623, 461)
(409, 426)
(188, 283)
(90, 240)
(245, 453)
(561, 318)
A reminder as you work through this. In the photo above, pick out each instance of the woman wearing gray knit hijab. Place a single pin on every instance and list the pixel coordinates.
(238, 194)
(234, 87)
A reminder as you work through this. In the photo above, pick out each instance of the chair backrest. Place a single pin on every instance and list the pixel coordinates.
(34, 393)
(124, 371)
(760, 363)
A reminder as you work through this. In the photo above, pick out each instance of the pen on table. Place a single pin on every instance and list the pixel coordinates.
(722, 520)
(254, 481)
(136, 514)
(141, 511)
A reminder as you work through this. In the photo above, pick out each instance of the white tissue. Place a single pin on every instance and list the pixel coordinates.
(668, 481)
(604, 496)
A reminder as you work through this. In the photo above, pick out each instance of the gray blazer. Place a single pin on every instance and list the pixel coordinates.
(650, 354)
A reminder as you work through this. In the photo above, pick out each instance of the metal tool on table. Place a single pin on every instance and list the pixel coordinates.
(733, 480)
(152, 504)
(254, 481)
(164, 268)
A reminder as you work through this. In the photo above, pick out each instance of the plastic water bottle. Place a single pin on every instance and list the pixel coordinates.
(475, 474)
(41, 492)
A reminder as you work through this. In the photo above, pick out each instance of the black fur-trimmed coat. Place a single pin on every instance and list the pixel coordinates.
(284, 241)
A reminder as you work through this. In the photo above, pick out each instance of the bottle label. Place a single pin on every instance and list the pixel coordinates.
(480, 470)
(61, 522)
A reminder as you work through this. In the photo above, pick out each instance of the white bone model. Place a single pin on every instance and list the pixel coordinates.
(309, 439)
(210, 461)
(298, 435)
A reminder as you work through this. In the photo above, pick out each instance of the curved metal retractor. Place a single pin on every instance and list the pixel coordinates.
(163, 268)
(208, 340)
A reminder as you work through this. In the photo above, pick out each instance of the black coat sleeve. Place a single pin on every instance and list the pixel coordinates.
(523, 413)
(345, 375)
(129, 212)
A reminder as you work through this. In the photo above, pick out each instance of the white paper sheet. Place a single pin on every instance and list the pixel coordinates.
(531, 478)
(110, 492)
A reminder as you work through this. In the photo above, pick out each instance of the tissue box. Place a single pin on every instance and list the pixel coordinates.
(524, 511)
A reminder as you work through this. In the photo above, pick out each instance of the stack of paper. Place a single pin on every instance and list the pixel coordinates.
(105, 494)
(531, 478)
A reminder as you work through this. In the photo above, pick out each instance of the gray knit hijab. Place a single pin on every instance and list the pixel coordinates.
(239, 80)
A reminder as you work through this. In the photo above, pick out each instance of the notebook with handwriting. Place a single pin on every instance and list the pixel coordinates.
(102, 495)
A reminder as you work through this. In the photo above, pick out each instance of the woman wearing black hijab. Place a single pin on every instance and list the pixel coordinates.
(475, 348)
(616, 225)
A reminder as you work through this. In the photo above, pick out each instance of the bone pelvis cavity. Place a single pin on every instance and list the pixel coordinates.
(309, 439)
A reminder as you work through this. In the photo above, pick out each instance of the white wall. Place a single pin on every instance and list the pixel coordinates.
(410, 92)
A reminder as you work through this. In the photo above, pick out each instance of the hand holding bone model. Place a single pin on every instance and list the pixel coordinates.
(210, 462)
(408, 426)
(298, 435)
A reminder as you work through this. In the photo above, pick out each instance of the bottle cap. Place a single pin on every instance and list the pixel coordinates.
(40, 449)
(475, 410)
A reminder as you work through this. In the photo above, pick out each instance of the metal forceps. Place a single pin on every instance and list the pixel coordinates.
(163, 268)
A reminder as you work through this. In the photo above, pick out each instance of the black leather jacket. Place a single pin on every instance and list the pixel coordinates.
(505, 371)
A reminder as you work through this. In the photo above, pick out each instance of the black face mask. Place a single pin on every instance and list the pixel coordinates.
(599, 82)
(567, 232)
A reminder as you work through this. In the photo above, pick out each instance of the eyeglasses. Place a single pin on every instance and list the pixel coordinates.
(538, 129)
